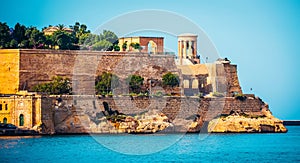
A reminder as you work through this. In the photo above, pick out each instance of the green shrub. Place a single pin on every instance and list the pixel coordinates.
(170, 79)
(57, 86)
(200, 94)
(105, 82)
(218, 94)
(135, 83)
(240, 97)
(132, 94)
(158, 94)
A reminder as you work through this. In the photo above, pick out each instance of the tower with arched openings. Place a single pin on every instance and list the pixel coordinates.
(187, 48)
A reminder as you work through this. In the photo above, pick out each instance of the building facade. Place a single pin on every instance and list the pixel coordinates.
(22, 109)
(151, 45)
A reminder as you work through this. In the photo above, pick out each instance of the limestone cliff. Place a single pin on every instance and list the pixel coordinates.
(241, 122)
(172, 114)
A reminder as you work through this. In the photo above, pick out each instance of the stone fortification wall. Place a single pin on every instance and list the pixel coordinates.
(9, 71)
(232, 79)
(76, 114)
(39, 66)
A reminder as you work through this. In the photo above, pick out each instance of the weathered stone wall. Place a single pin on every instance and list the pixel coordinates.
(9, 71)
(24, 68)
(232, 79)
(47, 116)
(81, 110)
(38, 66)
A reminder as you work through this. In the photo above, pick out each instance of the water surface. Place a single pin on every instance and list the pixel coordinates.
(269, 147)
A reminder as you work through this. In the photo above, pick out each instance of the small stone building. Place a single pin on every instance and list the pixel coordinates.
(22, 109)
(151, 45)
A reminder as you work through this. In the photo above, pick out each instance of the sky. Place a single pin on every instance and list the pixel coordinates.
(261, 37)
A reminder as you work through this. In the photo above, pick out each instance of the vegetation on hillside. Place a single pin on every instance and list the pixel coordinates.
(170, 80)
(135, 83)
(105, 83)
(24, 37)
(57, 86)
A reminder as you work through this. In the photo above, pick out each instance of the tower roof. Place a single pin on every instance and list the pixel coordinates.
(187, 34)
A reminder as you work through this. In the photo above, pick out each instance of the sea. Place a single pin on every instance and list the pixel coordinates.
(258, 147)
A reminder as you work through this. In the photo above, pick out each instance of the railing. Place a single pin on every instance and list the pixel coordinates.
(164, 53)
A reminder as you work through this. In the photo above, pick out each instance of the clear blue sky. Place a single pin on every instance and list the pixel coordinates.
(261, 37)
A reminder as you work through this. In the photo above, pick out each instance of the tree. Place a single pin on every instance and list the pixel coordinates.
(35, 37)
(116, 47)
(63, 40)
(57, 86)
(170, 79)
(135, 83)
(5, 37)
(83, 38)
(19, 33)
(49, 41)
(106, 82)
(13, 43)
(81, 32)
(109, 36)
(105, 37)
(102, 45)
(24, 44)
(124, 46)
(61, 26)
(75, 27)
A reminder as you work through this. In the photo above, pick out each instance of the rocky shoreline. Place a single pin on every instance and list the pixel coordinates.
(245, 123)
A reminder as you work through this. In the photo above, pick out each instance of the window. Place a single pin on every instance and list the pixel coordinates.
(21, 120)
(0, 107)
(6, 106)
(186, 84)
(4, 120)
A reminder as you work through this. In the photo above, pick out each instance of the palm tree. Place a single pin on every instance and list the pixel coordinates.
(61, 26)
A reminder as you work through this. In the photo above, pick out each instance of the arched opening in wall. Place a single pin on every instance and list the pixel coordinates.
(21, 120)
(152, 47)
(186, 84)
(4, 120)
(195, 83)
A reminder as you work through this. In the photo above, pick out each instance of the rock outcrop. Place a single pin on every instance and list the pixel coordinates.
(150, 122)
(249, 115)
(68, 119)
(241, 122)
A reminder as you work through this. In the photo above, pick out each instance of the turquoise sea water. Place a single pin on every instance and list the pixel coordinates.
(268, 147)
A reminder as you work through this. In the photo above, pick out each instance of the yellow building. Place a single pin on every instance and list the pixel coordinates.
(50, 30)
(151, 45)
(22, 109)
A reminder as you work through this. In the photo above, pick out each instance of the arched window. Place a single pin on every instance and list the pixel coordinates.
(4, 120)
(152, 47)
(195, 83)
(186, 84)
(21, 120)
